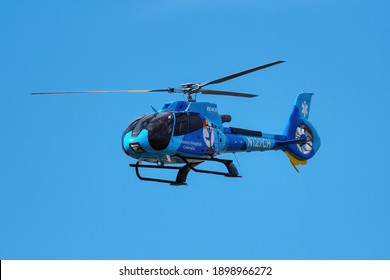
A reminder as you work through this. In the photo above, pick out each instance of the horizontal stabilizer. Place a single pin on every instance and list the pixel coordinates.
(295, 162)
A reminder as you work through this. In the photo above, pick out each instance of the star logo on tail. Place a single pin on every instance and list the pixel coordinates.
(305, 109)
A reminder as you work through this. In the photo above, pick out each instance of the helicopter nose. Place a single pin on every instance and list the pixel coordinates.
(134, 145)
(126, 142)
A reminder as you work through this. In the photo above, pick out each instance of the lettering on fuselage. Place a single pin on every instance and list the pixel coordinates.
(191, 146)
(259, 143)
(191, 143)
(212, 109)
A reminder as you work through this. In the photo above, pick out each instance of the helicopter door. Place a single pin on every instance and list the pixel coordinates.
(181, 126)
(220, 141)
(214, 139)
(190, 127)
(195, 123)
(186, 124)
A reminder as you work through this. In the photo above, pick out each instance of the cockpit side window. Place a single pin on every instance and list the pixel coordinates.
(181, 126)
(195, 123)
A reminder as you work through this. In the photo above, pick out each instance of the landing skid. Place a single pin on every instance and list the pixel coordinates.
(183, 171)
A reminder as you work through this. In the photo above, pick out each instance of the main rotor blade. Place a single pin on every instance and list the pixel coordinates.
(230, 93)
(106, 91)
(232, 76)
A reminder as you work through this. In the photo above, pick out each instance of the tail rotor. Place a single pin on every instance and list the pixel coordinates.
(304, 131)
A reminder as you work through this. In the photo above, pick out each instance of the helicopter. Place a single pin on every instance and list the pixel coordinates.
(184, 134)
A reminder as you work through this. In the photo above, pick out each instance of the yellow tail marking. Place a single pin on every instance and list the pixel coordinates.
(294, 161)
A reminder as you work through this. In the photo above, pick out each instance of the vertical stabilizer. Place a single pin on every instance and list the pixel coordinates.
(299, 127)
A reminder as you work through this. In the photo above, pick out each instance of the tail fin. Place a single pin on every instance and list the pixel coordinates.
(298, 127)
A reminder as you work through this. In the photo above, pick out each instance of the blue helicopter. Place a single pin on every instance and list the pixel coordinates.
(184, 134)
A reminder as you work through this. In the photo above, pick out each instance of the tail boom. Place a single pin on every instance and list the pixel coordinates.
(300, 140)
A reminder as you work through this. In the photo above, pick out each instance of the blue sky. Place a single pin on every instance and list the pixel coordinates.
(66, 191)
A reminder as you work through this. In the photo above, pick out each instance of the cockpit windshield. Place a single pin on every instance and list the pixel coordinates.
(159, 128)
(141, 124)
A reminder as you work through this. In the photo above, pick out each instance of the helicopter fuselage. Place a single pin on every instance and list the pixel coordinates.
(191, 130)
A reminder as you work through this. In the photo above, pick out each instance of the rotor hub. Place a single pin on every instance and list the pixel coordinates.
(189, 89)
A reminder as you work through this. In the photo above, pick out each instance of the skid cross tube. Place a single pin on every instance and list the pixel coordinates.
(183, 171)
(232, 170)
(137, 166)
(181, 176)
